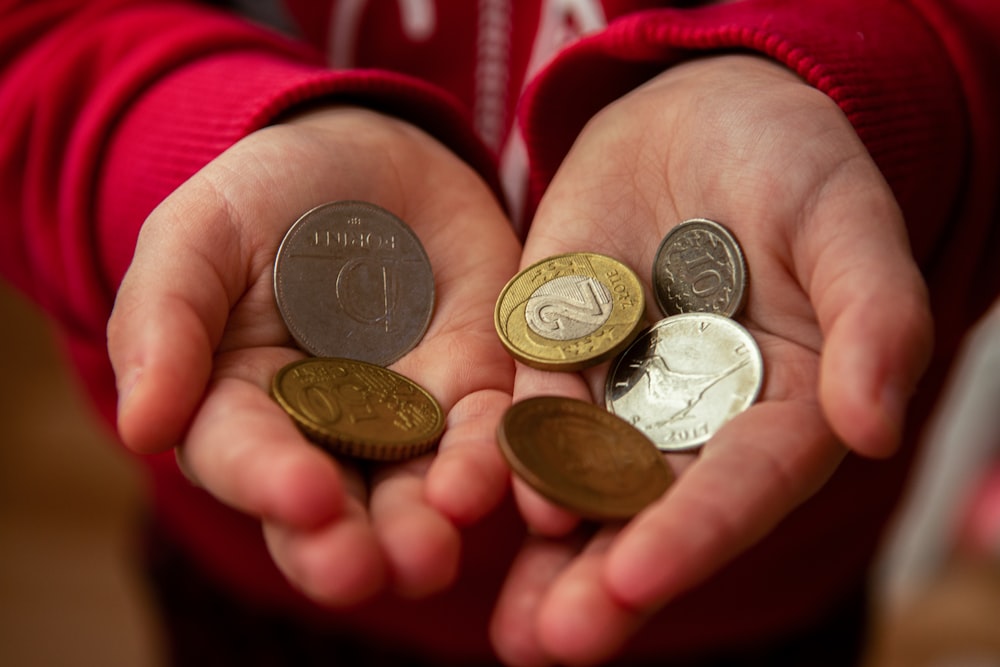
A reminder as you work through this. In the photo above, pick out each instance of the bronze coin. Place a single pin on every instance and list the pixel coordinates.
(358, 409)
(699, 268)
(582, 457)
(352, 280)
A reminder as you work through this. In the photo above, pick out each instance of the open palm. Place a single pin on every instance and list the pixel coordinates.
(196, 337)
(835, 303)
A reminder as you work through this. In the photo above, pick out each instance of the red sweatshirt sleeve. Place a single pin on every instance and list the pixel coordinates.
(108, 105)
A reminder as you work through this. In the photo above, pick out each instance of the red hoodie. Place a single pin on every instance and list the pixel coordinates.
(108, 105)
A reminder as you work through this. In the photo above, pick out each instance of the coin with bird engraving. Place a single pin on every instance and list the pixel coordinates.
(582, 457)
(570, 311)
(684, 377)
(699, 267)
(352, 280)
(357, 409)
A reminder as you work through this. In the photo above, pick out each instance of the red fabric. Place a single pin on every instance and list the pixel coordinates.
(107, 105)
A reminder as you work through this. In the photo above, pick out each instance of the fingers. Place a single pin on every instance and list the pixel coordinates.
(564, 605)
(872, 306)
(333, 538)
(513, 629)
(338, 563)
(468, 477)
(420, 545)
(873, 360)
(244, 449)
(573, 621)
(753, 472)
(168, 317)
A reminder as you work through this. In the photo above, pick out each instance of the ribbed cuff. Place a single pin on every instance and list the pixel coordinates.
(198, 110)
(879, 61)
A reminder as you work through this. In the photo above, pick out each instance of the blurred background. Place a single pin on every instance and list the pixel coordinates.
(71, 592)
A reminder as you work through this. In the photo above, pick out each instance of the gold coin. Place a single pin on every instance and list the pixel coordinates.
(582, 457)
(359, 409)
(570, 311)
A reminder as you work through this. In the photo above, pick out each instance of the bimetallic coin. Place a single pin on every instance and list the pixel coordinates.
(353, 281)
(358, 409)
(699, 268)
(583, 458)
(570, 311)
(684, 377)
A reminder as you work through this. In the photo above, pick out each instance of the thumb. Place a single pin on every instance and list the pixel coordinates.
(874, 355)
(168, 317)
(874, 312)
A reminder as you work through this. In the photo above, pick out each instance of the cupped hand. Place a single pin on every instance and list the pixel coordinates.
(195, 338)
(835, 303)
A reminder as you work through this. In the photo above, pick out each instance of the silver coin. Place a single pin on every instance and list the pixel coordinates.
(699, 268)
(548, 308)
(352, 280)
(684, 377)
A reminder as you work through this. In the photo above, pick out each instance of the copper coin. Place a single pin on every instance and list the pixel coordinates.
(570, 311)
(352, 280)
(582, 457)
(699, 268)
(358, 409)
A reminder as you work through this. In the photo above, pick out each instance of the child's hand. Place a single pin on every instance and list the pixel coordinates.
(836, 304)
(196, 337)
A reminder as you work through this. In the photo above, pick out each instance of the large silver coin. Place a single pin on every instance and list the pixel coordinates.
(353, 281)
(684, 377)
(699, 268)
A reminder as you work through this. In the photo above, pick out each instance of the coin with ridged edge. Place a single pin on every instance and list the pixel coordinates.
(352, 280)
(699, 268)
(353, 408)
(570, 311)
(582, 457)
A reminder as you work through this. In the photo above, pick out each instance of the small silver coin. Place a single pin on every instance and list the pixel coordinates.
(352, 280)
(699, 268)
(684, 377)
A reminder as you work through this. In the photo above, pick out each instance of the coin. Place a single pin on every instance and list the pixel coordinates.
(352, 280)
(684, 377)
(582, 457)
(699, 267)
(359, 409)
(570, 311)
